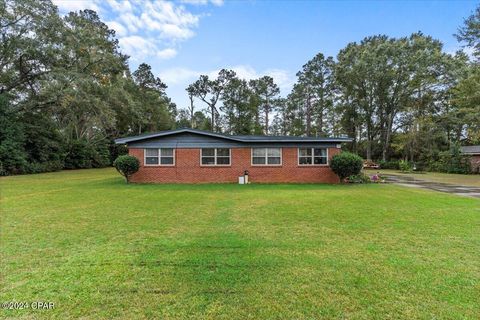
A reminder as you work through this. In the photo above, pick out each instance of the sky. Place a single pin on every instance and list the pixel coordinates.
(186, 38)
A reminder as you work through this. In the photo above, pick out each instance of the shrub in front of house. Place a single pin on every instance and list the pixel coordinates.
(126, 165)
(359, 178)
(346, 164)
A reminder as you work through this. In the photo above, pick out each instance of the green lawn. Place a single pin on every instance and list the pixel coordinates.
(101, 249)
(451, 178)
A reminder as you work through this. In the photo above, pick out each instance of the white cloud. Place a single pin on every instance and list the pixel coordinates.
(178, 76)
(132, 22)
(204, 2)
(167, 53)
(138, 48)
(136, 45)
(120, 6)
(161, 24)
(173, 22)
(167, 12)
(176, 32)
(147, 28)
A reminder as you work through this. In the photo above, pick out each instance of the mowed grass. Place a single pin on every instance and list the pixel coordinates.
(101, 249)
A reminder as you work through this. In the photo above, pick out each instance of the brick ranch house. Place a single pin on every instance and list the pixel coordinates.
(196, 156)
(474, 153)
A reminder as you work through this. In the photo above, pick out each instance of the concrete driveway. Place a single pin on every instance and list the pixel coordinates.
(408, 181)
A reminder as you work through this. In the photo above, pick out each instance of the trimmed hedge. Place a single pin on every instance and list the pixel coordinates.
(346, 164)
(126, 165)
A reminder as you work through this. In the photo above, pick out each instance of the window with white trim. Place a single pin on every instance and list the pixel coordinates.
(266, 156)
(162, 157)
(312, 156)
(215, 157)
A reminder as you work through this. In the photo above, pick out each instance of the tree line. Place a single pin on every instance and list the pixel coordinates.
(66, 92)
(398, 98)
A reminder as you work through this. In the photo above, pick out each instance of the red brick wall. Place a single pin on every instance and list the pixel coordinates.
(187, 169)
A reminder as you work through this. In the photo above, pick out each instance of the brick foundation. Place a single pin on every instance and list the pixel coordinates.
(187, 169)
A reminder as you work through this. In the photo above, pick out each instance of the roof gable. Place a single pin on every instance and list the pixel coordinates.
(173, 132)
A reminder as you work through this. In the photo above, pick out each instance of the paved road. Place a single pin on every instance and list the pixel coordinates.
(408, 181)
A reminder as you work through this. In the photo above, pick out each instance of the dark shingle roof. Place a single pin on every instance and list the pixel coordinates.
(290, 138)
(239, 138)
(470, 149)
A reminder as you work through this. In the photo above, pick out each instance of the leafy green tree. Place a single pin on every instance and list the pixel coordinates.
(237, 108)
(293, 113)
(70, 87)
(84, 154)
(267, 93)
(316, 85)
(465, 98)
(282, 119)
(147, 80)
(29, 48)
(13, 158)
(44, 142)
(386, 82)
(191, 108)
(452, 161)
(469, 32)
(184, 119)
(157, 111)
(466, 107)
(201, 121)
(360, 75)
(210, 92)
